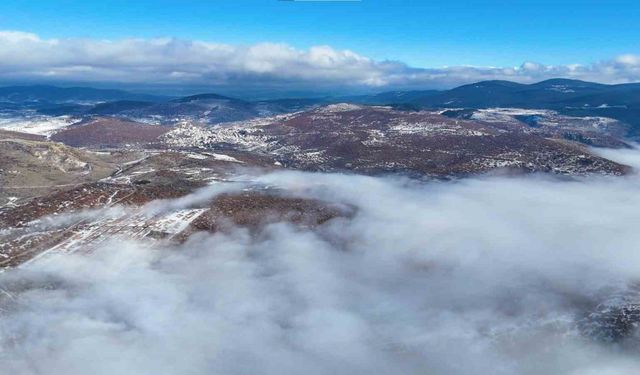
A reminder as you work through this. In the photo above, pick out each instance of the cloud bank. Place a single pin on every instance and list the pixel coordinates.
(482, 276)
(267, 65)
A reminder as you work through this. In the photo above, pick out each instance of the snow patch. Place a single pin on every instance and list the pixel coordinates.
(40, 125)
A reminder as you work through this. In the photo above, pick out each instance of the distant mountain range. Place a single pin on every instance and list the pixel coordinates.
(568, 97)
(54, 94)
(556, 93)
(550, 94)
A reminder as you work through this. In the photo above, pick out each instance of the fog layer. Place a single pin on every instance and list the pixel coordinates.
(480, 276)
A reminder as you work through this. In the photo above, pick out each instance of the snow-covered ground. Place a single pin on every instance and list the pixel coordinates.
(222, 157)
(36, 124)
(506, 114)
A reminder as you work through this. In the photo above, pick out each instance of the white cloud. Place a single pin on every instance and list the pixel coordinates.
(477, 276)
(165, 60)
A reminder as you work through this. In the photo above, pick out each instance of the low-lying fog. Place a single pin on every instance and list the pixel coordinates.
(481, 276)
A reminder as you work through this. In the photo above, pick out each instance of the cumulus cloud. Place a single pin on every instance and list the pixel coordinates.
(476, 276)
(174, 61)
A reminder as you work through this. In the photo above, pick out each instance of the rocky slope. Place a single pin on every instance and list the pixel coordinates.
(132, 164)
(58, 199)
(109, 132)
(30, 167)
(383, 140)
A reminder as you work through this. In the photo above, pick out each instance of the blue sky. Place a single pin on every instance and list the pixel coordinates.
(325, 46)
(420, 33)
